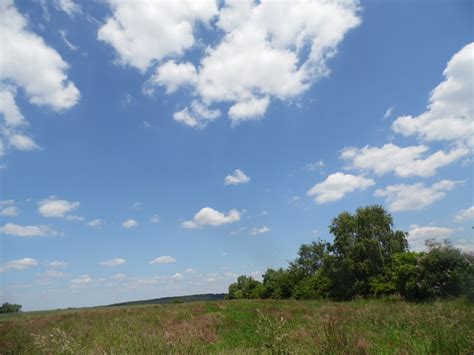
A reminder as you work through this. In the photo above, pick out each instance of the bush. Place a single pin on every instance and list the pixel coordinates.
(442, 272)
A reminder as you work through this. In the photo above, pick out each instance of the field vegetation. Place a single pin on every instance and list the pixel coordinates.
(388, 326)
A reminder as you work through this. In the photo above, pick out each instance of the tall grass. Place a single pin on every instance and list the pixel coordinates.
(247, 326)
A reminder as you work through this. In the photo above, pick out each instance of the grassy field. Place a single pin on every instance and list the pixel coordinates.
(246, 327)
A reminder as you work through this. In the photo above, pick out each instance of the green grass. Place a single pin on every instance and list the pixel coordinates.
(246, 327)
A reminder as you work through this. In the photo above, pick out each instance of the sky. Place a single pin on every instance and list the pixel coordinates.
(152, 148)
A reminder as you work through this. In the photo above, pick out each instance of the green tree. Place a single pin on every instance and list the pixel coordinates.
(278, 283)
(364, 247)
(245, 287)
(442, 272)
(10, 308)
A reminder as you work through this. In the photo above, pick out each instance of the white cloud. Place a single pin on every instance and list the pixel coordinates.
(254, 60)
(337, 185)
(147, 31)
(155, 219)
(163, 260)
(129, 223)
(68, 6)
(172, 75)
(28, 62)
(414, 197)
(210, 217)
(118, 277)
(189, 270)
(28, 231)
(71, 46)
(113, 262)
(196, 116)
(11, 132)
(81, 281)
(177, 276)
(72, 217)
(237, 177)
(10, 211)
(316, 165)
(465, 214)
(95, 223)
(259, 230)
(450, 112)
(52, 207)
(418, 235)
(57, 264)
(389, 112)
(19, 264)
(248, 110)
(403, 161)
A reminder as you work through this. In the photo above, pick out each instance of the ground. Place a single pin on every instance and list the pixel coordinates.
(246, 327)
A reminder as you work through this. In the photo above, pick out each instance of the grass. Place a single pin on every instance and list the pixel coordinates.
(246, 327)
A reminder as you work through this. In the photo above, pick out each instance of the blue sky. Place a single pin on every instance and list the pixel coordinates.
(150, 150)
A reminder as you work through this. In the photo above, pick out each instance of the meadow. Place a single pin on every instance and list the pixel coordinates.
(384, 326)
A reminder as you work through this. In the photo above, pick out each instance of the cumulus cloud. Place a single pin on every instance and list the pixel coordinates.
(254, 60)
(337, 185)
(172, 75)
(403, 161)
(147, 31)
(113, 262)
(19, 264)
(236, 178)
(53, 207)
(8, 209)
(259, 230)
(196, 116)
(95, 223)
(414, 197)
(28, 231)
(129, 223)
(29, 63)
(210, 217)
(450, 112)
(14, 123)
(118, 277)
(163, 260)
(465, 214)
(418, 235)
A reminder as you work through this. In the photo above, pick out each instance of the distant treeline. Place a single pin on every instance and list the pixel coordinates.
(367, 258)
(177, 299)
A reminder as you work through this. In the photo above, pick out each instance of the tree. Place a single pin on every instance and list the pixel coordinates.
(245, 287)
(278, 283)
(10, 308)
(442, 272)
(310, 258)
(364, 246)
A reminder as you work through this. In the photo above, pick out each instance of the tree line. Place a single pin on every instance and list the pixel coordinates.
(367, 258)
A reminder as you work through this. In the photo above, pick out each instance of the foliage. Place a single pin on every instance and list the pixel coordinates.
(440, 273)
(10, 308)
(367, 258)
